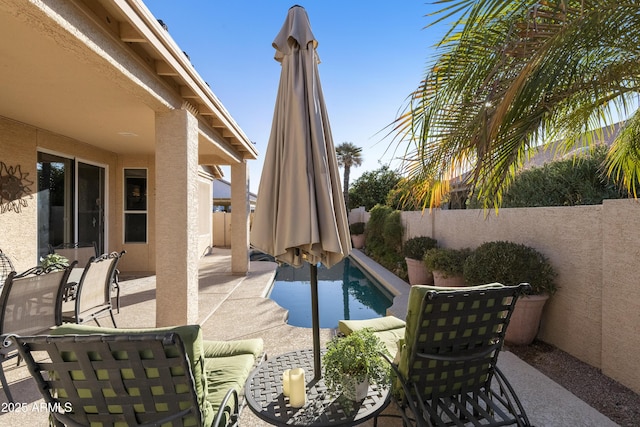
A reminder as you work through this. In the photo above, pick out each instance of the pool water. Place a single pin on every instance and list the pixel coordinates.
(344, 292)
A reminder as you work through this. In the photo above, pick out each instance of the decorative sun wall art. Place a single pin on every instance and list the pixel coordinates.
(14, 188)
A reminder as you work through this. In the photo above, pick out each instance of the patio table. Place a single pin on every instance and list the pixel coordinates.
(263, 391)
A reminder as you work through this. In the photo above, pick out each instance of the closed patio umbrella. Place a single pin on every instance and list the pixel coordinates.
(300, 213)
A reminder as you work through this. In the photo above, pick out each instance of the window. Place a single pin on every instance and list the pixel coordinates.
(135, 206)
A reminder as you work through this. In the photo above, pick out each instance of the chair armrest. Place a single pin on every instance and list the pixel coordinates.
(231, 392)
(406, 397)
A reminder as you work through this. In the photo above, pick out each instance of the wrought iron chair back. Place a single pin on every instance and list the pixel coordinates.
(447, 368)
(134, 380)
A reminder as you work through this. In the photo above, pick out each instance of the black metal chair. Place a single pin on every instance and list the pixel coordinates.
(93, 292)
(83, 252)
(447, 372)
(30, 305)
(6, 267)
(168, 376)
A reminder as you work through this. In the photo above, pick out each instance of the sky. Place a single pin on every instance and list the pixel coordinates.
(373, 55)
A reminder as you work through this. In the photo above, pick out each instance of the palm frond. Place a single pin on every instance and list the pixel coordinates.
(509, 77)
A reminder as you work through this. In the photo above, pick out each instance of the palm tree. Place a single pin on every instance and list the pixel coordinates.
(510, 76)
(348, 155)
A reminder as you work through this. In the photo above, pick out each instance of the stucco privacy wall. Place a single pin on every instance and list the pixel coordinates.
(621, 292)
(596, 312)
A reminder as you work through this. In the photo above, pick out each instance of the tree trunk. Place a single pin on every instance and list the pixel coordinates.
(347, 170)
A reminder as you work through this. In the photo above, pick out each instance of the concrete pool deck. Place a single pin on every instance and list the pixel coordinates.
(235, 307)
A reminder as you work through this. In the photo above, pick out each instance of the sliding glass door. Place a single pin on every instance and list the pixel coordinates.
(71, 197)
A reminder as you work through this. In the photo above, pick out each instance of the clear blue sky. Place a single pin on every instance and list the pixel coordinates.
(373, 55)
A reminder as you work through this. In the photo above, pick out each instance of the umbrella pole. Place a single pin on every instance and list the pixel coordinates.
(313, 269)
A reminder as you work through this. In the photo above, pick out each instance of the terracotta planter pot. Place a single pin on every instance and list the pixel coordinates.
(418, 272)
(447, 282)
(357, 240)
(525, 320)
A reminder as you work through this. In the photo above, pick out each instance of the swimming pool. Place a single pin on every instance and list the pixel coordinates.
(345, 291)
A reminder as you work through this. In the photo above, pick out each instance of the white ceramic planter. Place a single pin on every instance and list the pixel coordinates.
(354, 390)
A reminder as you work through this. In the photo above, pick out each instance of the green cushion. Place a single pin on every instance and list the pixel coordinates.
(224, 373)
(228, 364)
(231, 348)
(376, 325)
(389, 329)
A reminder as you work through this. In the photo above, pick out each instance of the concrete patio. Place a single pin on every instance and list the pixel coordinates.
(234, 307)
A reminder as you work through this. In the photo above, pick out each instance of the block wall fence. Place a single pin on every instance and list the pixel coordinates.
(595, 315)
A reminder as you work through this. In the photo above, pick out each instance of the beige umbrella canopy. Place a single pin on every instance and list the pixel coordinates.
(300, 213)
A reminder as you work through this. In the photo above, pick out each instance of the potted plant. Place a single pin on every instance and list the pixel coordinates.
(357, 234)
(447, 265)
(353, 362)
(414, 251)
(511, 263)
(54, 261)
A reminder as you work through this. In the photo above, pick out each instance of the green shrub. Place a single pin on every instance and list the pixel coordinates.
(393, 232)
(450, 262)
(570, 182)
(510, 264)
(383, 239)
(357, 228)
(417, 247)
(374, 239)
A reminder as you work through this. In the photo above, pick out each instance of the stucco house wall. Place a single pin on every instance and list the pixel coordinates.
(20, 145)
(17, 227)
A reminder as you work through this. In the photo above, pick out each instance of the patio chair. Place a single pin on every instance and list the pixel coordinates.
(445, 369)
(168, 376)
(30, 305)
(6, 267)
(82, 252)
(93, 292)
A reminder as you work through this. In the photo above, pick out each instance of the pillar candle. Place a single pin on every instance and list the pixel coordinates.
(297, 388)
(285, 382)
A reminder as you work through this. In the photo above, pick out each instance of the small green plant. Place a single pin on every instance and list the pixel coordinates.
(417, 247)
(357, 228)
(510, 263)
(358, 355)
(54, 261)
(450, 262)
